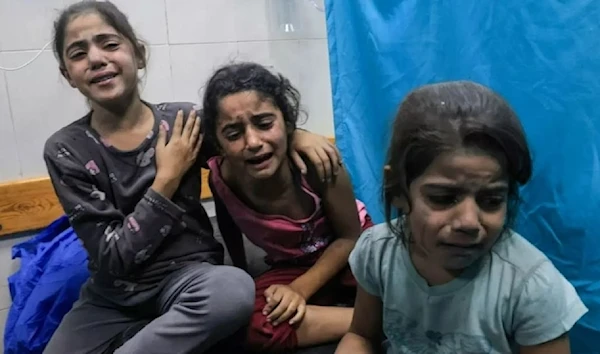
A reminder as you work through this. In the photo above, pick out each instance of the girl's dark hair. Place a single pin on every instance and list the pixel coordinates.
(442, 117)
(247, 76)
(109, 13)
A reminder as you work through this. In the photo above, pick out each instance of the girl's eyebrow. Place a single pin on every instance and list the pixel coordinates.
(262, 115)
(255, 117)
(97, 38)
(498, 187)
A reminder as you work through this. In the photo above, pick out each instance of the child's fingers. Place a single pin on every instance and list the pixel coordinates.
(298, 161)
(162, 137)
(195, 132)
(270, 292)
(326, 173)
(271, 298)
(272, 303)
(178, 126)
(289, 311)
(300, 311)
(319, 162)
(267, 309)
(334, 157)
(198, 145)
(278, 311)
(190, 122)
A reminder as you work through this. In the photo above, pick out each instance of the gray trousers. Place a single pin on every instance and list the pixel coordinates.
(199, 306)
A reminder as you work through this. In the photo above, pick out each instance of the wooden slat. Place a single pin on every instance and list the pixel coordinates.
(205, 191)
(32, 204)
(27, 205)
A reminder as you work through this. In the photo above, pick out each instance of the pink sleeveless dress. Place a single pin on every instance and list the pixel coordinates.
(284, 239)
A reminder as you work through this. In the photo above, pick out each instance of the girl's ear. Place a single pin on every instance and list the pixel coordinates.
(399, 202)
(67, 77)
(290, 129)
(141, 62)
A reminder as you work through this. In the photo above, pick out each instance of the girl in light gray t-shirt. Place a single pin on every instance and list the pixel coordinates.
(448, 275)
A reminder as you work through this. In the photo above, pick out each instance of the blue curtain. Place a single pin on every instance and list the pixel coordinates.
(543, 56)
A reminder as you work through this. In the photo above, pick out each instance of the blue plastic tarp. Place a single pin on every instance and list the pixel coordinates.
(53, 269)
(543, 56)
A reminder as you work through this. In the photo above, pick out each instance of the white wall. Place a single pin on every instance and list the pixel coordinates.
(187, 38)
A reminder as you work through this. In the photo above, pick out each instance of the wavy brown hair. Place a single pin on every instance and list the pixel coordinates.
(248, 76)
(443, 117)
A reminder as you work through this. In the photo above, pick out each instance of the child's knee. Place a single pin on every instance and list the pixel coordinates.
(241, 288)
(263, 337)
(233, 295)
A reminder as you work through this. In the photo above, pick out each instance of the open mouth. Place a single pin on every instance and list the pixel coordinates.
(257, 160)
(462, 249)
(465, 246)
(102, 78)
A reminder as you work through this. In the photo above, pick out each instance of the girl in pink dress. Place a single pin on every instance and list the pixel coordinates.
(306, 226)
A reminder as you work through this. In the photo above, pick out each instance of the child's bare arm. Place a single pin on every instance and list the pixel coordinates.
(559, 345)
(340, 208)
(365, 334)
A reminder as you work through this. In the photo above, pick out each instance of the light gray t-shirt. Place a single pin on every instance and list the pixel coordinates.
(512, 297)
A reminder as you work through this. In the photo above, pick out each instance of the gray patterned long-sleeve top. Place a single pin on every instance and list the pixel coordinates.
(133, 235)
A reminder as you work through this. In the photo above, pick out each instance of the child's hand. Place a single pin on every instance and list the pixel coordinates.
(174, 158)
(282, 303)
(319, 150)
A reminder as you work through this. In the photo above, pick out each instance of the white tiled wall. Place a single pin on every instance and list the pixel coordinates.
(187, 39)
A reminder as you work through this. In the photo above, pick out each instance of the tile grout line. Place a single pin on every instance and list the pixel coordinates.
(167, 43)
(167, 23)
(12, 121)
